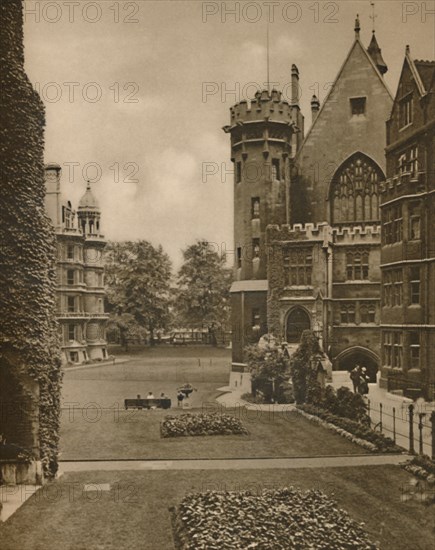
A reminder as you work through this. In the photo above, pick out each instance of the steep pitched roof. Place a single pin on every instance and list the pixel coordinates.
(375, 53)
(357, 44)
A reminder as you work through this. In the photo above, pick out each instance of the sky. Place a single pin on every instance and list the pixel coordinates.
(137, 93)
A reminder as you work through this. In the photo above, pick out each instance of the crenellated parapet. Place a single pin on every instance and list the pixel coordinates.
(299, 232)
(265, 105)
(367, 234)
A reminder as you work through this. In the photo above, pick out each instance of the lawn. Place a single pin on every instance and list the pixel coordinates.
(95, 425)
(160, 369)
(119, 434)
(135, 512)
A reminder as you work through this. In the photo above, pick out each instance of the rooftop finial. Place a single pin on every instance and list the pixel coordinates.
(357, 26)
(373, 15)
(267, 60)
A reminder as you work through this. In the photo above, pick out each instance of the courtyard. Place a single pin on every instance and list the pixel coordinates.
(119, 480)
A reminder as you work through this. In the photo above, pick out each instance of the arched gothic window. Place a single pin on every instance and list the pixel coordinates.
(354, 191)
(298, 320)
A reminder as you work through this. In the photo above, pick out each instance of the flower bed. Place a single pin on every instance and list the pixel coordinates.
(422, 467)
(354, 431)
(189, 424)
(283, 519)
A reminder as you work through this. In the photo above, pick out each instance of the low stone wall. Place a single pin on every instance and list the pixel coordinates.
(19, 473)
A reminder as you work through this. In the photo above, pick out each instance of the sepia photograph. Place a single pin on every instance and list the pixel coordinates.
(217, 275)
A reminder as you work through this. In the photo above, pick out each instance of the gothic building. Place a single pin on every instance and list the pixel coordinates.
(307, 218)
(408, 235)
(80, 285)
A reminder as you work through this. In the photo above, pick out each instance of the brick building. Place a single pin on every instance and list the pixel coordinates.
(80, 272)
(307, 224)
(408, 235)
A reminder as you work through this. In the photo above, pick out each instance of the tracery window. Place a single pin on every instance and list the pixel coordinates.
(355, 191)
(298, 266)
(347, 314)
(357, 265)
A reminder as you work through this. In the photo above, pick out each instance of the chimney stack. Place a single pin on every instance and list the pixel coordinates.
(295, 85)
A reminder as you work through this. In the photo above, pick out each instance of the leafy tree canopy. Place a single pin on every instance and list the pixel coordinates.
(138, 279)
(204, 283)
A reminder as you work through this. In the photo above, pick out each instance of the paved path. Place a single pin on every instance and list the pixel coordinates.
(235, 464)
(395, 415)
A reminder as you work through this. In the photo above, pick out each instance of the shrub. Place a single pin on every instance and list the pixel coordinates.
(303, 376)
(383, 443)
(423, 461)
(257, 399)
(269, 370)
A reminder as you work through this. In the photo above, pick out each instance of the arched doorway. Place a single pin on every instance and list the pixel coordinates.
(359, 356)
(298, 320)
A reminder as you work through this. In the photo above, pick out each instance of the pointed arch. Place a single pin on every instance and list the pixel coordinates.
(358, 355)
(298, 319)
(354, 190)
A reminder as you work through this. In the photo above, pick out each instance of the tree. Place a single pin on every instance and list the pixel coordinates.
(138, 283)
(304, 377)
(124, 328)
(204, 282)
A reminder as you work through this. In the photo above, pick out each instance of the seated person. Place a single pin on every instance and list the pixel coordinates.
(150, 395)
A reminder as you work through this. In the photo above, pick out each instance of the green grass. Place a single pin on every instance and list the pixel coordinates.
(95, 425)
(136, 434)
(161, 369)
(136, 512)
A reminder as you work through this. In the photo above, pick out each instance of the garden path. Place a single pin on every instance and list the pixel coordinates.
(236, 464)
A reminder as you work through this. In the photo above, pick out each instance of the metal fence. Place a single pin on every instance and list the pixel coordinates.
(408, 425)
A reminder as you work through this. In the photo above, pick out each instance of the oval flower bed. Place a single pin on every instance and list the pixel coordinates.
(285, 519)
(190, 424)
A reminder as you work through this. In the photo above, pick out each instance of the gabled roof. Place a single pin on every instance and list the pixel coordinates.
(357, 43)
(415, 72)
(423, 73)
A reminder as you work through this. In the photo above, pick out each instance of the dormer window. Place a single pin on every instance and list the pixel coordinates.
(358, 106)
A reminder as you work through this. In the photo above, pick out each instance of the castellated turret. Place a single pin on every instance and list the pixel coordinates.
(261, 132)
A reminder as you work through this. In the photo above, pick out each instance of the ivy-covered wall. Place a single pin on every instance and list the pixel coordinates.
(29, 346)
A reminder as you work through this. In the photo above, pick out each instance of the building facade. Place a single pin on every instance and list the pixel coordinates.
(318, 225)
(408, 235)
(80, 272)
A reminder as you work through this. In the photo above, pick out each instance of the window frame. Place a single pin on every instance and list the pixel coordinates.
(357, 102)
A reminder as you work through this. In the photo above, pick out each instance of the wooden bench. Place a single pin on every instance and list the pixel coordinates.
(159, 403)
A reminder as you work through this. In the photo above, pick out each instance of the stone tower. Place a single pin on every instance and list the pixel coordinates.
(262, 143)
(89, 220)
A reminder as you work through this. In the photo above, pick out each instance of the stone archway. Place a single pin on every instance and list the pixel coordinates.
(348, 359)
(298, 320)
